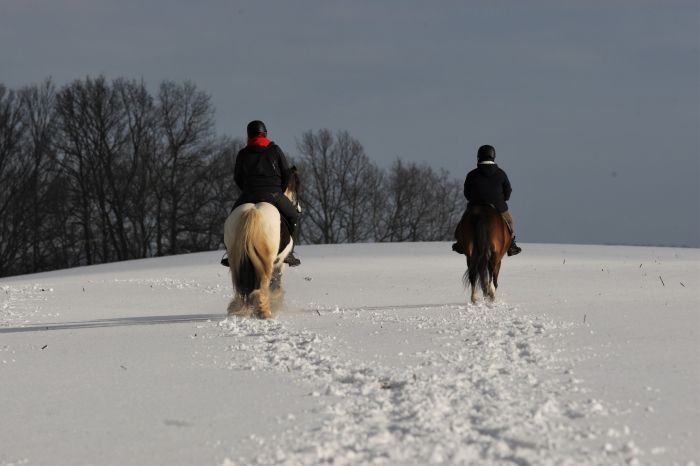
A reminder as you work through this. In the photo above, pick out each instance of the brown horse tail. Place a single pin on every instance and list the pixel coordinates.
(252, 256)
(479, 268)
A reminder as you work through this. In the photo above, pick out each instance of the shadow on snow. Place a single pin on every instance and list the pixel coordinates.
(118, 322)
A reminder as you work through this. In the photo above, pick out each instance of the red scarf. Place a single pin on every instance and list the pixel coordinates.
(259, 141)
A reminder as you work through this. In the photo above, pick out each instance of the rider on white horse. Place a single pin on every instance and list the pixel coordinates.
(262, 173)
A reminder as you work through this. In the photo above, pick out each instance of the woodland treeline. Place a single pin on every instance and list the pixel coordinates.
(99, 171)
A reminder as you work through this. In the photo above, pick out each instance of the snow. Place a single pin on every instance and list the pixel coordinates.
(589, 356)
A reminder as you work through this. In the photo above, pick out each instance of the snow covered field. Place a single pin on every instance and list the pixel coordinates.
(591, 356)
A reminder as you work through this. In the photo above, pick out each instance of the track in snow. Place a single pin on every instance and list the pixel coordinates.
(486, 390)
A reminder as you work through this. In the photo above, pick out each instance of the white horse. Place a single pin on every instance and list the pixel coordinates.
(252, 240)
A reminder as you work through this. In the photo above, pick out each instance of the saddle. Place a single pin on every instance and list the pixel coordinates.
(472, 210)
(479, 209)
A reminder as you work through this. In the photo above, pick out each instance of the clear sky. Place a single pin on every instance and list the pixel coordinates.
(593, 106)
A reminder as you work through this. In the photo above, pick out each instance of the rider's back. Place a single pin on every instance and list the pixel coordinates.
(488, 185)
(261, 169)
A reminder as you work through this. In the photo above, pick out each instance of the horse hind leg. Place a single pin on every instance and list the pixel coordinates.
(238, 306)
(486, 288)
(261, 296)
(494, 280)
(474, 284)
(260, 300)
(475, 296)
(238, 303)
(491, 292)
(276, 291)
(276, 279)
(469, 280)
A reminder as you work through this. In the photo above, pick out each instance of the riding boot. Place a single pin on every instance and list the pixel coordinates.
(291, 259)
(224, 260)
(514, 248)
(458, 248)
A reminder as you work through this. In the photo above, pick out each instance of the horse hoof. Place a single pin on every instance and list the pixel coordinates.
(237, 306)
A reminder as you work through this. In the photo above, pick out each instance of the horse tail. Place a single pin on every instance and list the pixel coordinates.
(480, 264)
(251, 255)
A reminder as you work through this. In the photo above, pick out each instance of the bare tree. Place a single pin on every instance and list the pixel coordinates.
(186, 130)
(211, 198)
(422, 205)
(38, 115)
(320, 196)
(136, 198)
(361, 181)
(14, 170)
(92, 137)
(448, 204)
(221, 188)
(339, 187)
(72, 142)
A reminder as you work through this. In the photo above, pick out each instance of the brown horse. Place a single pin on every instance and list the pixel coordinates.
(485, 237)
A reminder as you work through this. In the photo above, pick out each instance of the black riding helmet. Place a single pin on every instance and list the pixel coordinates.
(256, 128)
(486, 153)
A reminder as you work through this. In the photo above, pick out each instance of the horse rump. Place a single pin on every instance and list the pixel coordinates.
(251, 255)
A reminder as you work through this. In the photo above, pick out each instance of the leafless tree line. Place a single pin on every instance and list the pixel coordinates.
(348, 198)
(99, 171)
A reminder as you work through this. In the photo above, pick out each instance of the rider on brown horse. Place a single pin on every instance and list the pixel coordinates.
(489, 185)
(262, 173)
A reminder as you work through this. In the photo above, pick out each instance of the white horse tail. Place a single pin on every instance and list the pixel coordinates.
(252, 255)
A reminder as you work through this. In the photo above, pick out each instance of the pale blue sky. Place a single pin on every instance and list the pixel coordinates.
(593, 107)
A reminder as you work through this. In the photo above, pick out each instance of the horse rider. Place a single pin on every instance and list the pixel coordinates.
(488, 184)
(262, 173)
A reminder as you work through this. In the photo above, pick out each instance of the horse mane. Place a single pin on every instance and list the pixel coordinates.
(293, 184)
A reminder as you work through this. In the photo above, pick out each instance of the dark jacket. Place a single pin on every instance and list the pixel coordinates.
(261, 170)
(262, 174)
(488, 184)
